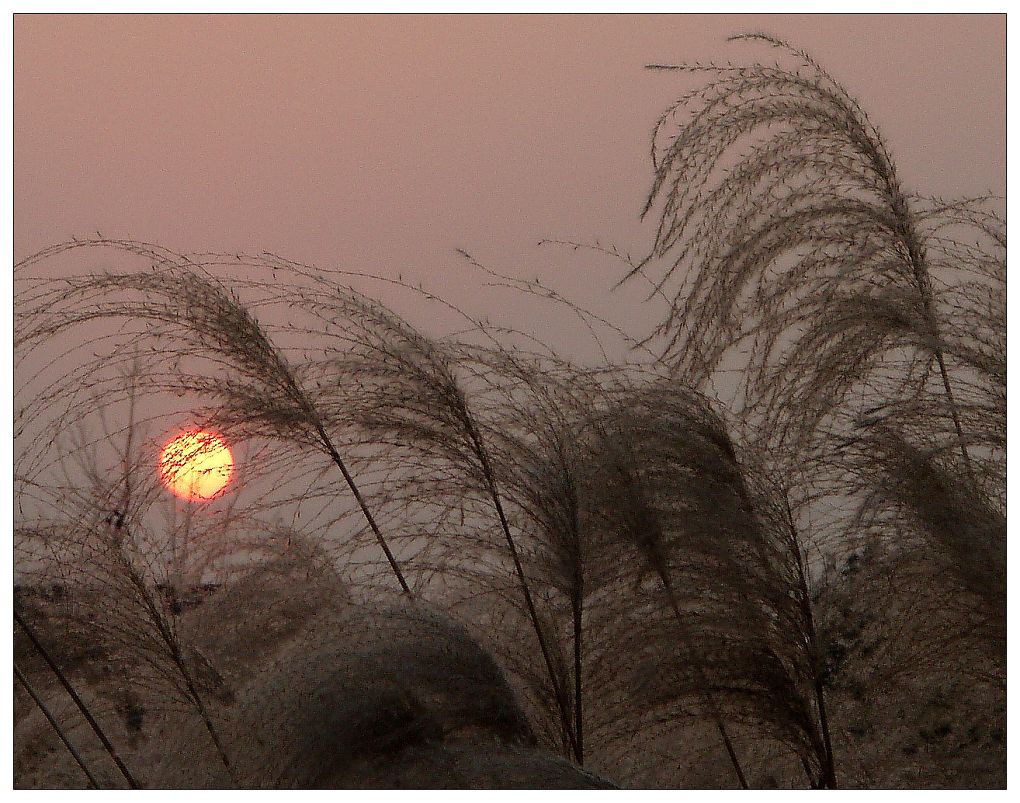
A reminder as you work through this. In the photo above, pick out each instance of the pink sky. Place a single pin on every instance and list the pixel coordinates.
(383, 143)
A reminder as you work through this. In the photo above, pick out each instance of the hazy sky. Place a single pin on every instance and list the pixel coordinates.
(383, 143)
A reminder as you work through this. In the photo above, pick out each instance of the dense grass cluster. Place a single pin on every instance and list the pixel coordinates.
(607, 567)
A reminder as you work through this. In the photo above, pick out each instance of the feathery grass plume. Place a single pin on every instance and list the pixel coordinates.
(122, 581)
(257, 389)
(533, 423)
(803, 243)
(630, 514)
(120, 613)
(917, 700)
(902, 463)
(859, 304)
(404, 388)
(724, 630)
(538, 469)
(910, 485)
(490, 423)
(129, 594)
(371, 693)
(534, 415)
(915, 620)
(261, 393)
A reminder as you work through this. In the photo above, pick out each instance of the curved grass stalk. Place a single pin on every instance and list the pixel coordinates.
(794, 247)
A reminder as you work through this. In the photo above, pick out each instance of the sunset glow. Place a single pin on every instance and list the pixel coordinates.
(196, 466)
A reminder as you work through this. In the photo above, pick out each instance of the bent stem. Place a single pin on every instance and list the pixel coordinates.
(172, 645)
(658, 564)
(334, 455)
(922, 279)
(707, 696)
(32, 637)
(490, 482)
(575, 604)
(828, 779)
(56, 727)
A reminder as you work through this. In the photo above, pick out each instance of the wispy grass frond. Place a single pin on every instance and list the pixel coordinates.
(189, 317)
(911, 487)
(783, 227)
(729, 628)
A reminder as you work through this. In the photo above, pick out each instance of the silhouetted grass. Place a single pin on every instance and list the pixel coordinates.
(602, 562)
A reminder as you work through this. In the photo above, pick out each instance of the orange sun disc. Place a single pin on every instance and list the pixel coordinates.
(196, 466)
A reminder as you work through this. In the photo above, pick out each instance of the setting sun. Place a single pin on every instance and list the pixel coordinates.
(196, 465)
